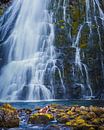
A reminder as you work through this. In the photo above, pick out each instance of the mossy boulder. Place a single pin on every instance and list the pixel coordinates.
(101, 128)
(98, 111)
(78, 122)
(40, 118)
(79, 116)
(8, 107)
(63, 118)
(37, 108)
(8, 116)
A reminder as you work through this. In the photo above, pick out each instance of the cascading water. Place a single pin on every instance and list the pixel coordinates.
(31, 52)
(81, 65)
(28, 32)
(96, 12)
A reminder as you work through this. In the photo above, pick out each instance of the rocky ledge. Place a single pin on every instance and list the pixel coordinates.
(54, 115)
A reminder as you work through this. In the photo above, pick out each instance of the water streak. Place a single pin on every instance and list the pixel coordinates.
(31, 51)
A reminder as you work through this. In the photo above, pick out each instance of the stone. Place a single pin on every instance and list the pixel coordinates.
(40, 118)
(8, 116)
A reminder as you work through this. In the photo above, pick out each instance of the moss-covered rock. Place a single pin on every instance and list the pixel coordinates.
(8, 116)
(77, 116)
(40, 118)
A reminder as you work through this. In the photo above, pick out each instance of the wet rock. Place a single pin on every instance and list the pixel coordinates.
(37, 108)
(76, 116)
(40, 118)
(78, 122)
(8, 116)
(97, 110)
(82, 108)
(53, 127)
(96, 121)
(5, 1)
(101, 128)
(24, 111)
(3, 5)
(63, 118)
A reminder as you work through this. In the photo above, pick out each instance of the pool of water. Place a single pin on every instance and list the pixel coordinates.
(33, 104)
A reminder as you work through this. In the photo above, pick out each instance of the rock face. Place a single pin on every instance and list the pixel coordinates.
(3, 5)
(81, 72)
(5, 1)
(8, 117)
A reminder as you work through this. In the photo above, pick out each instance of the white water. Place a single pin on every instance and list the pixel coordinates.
(76, 45)
(101, 13)
(64, 10)
(31, 51)
(81, 65)
(98, 27)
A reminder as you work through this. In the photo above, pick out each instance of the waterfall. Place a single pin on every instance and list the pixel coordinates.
(28, 35)
(95, 12)
(81, 65)
(47, 55)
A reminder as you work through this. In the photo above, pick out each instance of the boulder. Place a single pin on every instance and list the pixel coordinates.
(8, 116)
(40, 118)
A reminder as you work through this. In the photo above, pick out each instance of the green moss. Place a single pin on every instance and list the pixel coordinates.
(61, 40)
(61, 21)
(63, 119)
(96, 121)
(40, 118)
(78, 122)
(91, 128)
(83, 45)
(1, 11)
(70, 113)
(62, 27)
(8, 108)
(75, 27)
